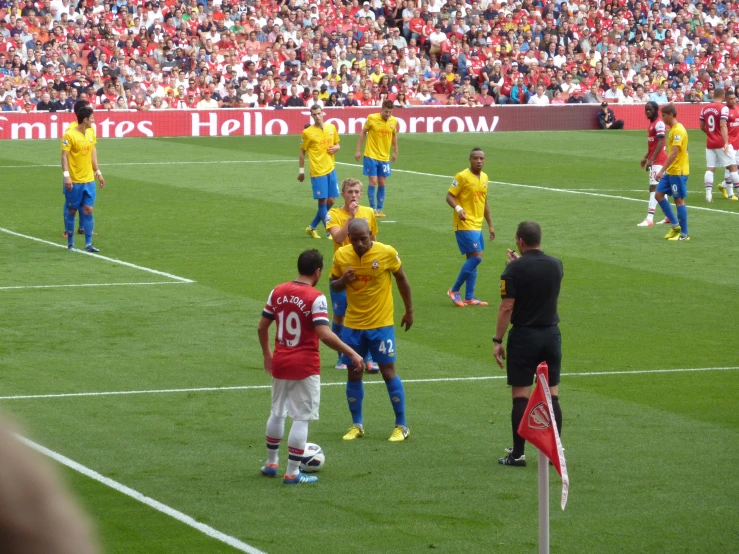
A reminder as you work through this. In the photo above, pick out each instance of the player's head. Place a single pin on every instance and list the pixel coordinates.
(310, 264)
(387, 109)
(669, 114)
(360, 236)
(85, 115)
(477, 159)
(718, 94)
(351, 190)
(80, 104)
(651, 108)
(528, 235)
(316, 112)
(730, 96)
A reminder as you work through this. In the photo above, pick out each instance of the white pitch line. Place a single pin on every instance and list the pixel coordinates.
(106, 258)
(128, 491)
(551, 189)
(206, 162)
(92, 285)
(391, 221)
(341, 383)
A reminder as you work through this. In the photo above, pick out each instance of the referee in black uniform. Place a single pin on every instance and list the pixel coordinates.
(529, 289)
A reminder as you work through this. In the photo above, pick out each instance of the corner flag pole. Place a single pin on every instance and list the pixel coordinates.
(543, 503)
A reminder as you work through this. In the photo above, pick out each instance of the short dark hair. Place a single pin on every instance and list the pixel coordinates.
(79, 105)
(529, 232)
(387, 104)
(669, 109)
(310, 261)
(476, 149)
(83, 113)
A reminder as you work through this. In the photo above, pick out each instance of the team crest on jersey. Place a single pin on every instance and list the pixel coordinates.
(375, 264)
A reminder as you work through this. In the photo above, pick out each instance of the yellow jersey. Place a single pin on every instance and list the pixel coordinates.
(379, 136)
(316, 142)
(370, 296)
(471, 192)
(80, 149)
(337, 217)
(678, 136)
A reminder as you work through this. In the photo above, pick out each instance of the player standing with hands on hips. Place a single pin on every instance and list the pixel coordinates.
(301, 313)
(80, 167)
(529, 291)
(381, 131)
(468, 196)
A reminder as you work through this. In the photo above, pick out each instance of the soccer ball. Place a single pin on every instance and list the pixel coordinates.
(313, 458)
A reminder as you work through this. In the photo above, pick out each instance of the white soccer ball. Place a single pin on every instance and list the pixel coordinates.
(313, 458)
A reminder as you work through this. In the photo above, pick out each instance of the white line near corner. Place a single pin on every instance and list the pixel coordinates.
(550, 189)
(86, 285)
(106, 258)
(342, 383)
(163, 508)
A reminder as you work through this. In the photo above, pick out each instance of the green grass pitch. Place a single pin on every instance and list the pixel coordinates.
(652, 456)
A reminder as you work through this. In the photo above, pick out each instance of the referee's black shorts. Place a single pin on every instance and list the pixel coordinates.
(526, 348)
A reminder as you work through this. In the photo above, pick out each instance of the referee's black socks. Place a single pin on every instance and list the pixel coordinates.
(517, 413)
(557, 413)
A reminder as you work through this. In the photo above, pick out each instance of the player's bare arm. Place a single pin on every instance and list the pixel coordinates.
(65, 169)
(452, 201)
(725, 135)
(339, 234)
(489, 220)
(301, 166)
(504, 320)
(358, 151)
(647, 161)
(334, 149)
(330, 339)
(670, 159)
(96, 168)
(263, 333)
(339, 283)
(395, 148)
(404, 288)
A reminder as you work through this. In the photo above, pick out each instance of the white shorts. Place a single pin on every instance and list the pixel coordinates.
(297, 398)
(715, 157)
(653, 173)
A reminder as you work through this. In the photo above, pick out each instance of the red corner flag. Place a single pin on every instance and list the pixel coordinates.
(538, 426)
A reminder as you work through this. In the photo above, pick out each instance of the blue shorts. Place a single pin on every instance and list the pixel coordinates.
(376, 168)
(673, 185)
(326, 186)
(378, 342)
(470, 241)
(82, 194)
(338, 301)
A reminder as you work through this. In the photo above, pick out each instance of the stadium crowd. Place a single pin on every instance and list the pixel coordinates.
(207, 54)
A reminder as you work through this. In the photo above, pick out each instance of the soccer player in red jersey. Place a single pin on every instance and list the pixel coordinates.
(730, 188)
(719, 153)
(301, 313)
(655, 159)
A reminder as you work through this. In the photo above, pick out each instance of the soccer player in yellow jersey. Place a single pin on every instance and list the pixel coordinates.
(468, 196)
(77, 105)
(79, 161)
(381, 132)
(364, 269)
(673, 177)
(321, 142)
(337, 224)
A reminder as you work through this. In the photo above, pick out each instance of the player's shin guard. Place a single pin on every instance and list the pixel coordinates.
(517, 412)
(296, 446)
(371, 194)
(557, 413)
(397, 397)
(682, 216)
(88, 222)
(69, 226)
(469, 265)
(355, 397)
(380, 197)
(667, 209)
(469, 292)
(652, 206)
(275, 430)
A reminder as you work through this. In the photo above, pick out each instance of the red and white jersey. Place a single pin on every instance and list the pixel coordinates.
(655, 132)
(733, 124)
(711, 115)
(297, 309)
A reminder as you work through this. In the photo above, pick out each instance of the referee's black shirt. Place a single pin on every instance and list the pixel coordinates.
(533, 280)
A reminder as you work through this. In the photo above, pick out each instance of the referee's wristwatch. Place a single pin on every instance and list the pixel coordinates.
(496, 340)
